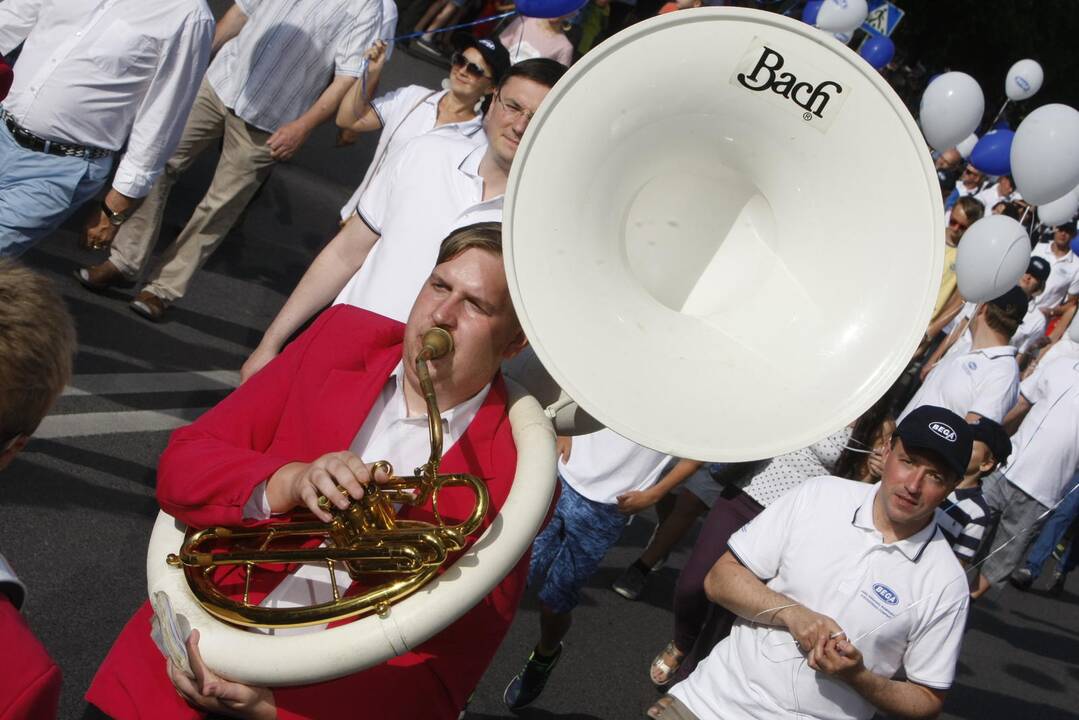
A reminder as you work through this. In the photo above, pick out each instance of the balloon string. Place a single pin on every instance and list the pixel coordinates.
(999, 113)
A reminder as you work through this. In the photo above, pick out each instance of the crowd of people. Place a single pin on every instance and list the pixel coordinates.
(815, 575)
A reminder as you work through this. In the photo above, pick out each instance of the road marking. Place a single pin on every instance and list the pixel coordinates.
(111, 423)
(121, 383)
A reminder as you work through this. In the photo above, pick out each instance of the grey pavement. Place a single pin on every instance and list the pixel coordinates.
(76, 508)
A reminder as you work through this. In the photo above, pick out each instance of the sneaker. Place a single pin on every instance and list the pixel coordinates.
(1057, 588)
(427, 47)
(1022, 578)
(150, 306)
(102, 276)
(630, 584)
(527, 685)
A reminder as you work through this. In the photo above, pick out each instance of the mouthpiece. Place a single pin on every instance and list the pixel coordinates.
(436, 343)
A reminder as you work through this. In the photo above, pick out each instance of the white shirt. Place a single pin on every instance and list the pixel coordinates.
(603, 465)
(1063, 276)
(388, 29)
(285, 55)
(1064, 347)
(991, 196)
(407, 113)
(388, 433)
(433, 187)
(1045, 448)
(982, 381)
(103, 74)
(901, 604)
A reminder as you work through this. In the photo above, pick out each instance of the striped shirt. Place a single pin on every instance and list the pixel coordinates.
(286, 54)
(962, 518)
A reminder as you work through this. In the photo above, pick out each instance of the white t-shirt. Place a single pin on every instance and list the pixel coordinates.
(407, 113)
(982, 381)
(433, 187)
(902, 604)
(603, 465)
(1063, 276)
(1045, 448)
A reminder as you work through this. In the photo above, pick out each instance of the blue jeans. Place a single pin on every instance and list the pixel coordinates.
(38, 191)
(1055, 527)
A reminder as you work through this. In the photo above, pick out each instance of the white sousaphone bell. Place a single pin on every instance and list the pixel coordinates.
(723, 238)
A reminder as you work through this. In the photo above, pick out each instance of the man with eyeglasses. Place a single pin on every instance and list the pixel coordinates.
(434, 184)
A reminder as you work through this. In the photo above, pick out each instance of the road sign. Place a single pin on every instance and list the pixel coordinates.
(882, 18)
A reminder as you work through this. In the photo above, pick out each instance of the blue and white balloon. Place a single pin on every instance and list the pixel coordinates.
(1024, 80)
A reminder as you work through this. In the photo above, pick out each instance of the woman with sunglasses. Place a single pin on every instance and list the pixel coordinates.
(405, 113)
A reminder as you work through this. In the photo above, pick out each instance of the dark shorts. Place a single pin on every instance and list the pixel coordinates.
(571, 547)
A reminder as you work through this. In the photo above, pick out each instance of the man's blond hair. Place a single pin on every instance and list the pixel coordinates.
(37, 345)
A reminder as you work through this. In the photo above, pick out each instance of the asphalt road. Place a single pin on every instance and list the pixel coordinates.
(77, 507)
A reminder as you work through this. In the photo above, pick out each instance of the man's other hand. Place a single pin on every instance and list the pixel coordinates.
(840, 658)
(299, 483)
(98, 232)
(210, 693)
(287, 140)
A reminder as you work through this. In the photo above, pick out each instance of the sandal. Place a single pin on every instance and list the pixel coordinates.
(665, 665)
(659, 707)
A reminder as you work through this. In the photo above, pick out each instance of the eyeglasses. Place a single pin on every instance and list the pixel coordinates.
(460, 61)
(958, 225)
(514, 110)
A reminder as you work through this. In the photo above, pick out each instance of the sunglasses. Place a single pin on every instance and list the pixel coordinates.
(459, 60)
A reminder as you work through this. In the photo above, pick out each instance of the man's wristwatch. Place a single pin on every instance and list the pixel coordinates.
(116, 219)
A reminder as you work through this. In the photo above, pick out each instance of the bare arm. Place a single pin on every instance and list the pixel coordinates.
(957, 331)
(289, 137)
(1066, 311)
(327, 276)
(1015, 416)
(947, 313)
(355, 112)
(228, 27)
(637, 500)
(898, 698)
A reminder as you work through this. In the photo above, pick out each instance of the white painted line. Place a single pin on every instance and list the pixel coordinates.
(112, 423)
(121, 383)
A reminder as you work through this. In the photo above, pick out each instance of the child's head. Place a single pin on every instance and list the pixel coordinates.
(991, 448)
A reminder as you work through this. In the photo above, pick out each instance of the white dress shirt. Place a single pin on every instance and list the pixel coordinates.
(103, 73)
(276, 68)
(389, 433)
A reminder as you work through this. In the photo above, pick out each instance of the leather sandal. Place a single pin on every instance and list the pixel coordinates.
(661, 671)
(659, 707)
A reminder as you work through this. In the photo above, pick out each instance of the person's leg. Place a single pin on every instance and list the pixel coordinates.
(429, 15)
(136, 238)
(1055, 527)
(1019, 522)
(39, 191)
(244, 165)
(687, 508)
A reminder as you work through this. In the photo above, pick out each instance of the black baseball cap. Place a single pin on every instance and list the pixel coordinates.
(1014, 303)
(1039, 269)
(992, 434)
(939, 431)
(494, 53)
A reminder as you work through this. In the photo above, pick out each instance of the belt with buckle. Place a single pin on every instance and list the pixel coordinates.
(30, 141)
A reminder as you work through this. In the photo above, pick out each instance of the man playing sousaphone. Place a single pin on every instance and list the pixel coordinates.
(345, 393)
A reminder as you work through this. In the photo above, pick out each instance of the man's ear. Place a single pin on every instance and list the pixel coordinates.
(8, 454)
(987, 465)
(515, 346)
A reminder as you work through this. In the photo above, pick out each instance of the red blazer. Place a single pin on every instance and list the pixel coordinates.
(310, 401)
(29, 679)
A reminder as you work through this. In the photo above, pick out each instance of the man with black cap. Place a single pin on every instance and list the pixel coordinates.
(1062, 287)
(1045, 423)
(985, 381)
(837, 585)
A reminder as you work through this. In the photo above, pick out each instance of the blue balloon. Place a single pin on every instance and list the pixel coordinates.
(1075, 245)
(878, 51)
(1002, 125)
(993, 153)
(809, 13)
(549, 8)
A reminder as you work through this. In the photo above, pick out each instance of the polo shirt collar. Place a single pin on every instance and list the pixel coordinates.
(911, 547)
(470, 165)
(997, 351)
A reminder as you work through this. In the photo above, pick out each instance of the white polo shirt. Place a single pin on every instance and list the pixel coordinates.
(1063, 276)
(982, 381)
(1026, 335)
(433, 187)
(603, 465)
(407, 113)
(1045, 448)
(902, 604)
(1064, 347)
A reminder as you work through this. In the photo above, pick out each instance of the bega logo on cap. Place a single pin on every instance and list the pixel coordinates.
(486, 43)
(943, 430)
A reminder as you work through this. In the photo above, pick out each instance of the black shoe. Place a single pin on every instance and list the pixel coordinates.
(527, 685)
(1057, 588)
(1022, 578)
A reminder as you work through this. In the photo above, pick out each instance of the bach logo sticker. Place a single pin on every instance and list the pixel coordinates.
(782, 76)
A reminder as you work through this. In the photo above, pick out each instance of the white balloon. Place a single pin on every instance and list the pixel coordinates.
(1045, 153)
(1023, 80)
(952, 106)
(966, 147)
(842, 16)
(1060, 210)
(993, 254)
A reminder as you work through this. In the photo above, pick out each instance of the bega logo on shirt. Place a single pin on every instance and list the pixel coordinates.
(885, 593)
